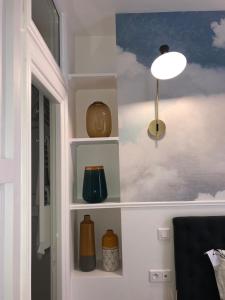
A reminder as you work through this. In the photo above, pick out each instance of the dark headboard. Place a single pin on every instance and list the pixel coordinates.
(193, 236)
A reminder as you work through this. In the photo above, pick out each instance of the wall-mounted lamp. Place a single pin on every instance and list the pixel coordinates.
(168, 65)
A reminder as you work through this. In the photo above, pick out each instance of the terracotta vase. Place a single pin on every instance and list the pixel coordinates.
(98, 120)
(110, 251)
(87, 257)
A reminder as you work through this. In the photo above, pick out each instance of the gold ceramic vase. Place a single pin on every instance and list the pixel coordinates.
(98, 120)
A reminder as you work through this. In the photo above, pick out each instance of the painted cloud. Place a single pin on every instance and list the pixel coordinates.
(189, 163)
(185, 163)
(219, 30)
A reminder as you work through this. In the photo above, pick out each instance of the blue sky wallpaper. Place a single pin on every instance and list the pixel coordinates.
(189, 162)
(187, 32)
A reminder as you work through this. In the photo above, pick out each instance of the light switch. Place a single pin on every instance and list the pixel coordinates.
(164, 233)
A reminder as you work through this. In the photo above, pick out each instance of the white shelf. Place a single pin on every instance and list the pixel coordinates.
(94, 141)
(151, 204)
(93, 81)
(98, 273)
(109, 203)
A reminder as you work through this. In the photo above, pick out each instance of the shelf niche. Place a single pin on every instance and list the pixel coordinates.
(106, 155)
(103, 219)
(84, 98)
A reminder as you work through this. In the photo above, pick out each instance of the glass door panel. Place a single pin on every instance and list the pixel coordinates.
(41, 210)
(46, 18)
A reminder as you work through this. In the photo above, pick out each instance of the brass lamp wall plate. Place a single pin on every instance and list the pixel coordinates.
(157, 129)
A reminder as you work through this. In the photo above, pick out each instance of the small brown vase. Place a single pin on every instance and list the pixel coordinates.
(87, 261)
(110, 251)
(98, 120)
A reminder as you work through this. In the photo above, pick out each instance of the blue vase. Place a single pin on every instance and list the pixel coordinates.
(94, 185)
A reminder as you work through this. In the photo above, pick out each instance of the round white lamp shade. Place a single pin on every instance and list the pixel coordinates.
(168, 65)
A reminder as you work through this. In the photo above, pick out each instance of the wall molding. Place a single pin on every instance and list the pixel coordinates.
(180, 204)
(104, 205)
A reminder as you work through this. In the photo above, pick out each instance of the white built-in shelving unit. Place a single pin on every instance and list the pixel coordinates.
(109, 203)
(97, 273)
(88, 87)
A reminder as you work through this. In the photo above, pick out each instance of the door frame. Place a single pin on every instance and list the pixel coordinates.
(40, 68)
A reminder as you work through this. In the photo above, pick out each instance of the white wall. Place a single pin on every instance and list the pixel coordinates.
(95, 54)
(142, 251)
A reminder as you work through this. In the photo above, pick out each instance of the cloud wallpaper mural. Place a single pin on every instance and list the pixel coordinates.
(189, 162)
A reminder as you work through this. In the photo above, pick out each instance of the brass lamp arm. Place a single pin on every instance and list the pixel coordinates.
(157, 127)
(157, 103)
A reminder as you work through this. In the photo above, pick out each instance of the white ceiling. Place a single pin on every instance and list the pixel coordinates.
(97, 16)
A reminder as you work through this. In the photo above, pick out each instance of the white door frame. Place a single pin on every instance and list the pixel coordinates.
(40, 68)
(10, 157)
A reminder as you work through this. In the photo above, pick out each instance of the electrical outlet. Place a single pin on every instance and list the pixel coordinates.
(166, 275)
(160, 275)
(155, 275)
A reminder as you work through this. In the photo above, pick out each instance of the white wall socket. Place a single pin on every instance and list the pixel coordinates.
(160, 275)
(155, 276)
(166, 275)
